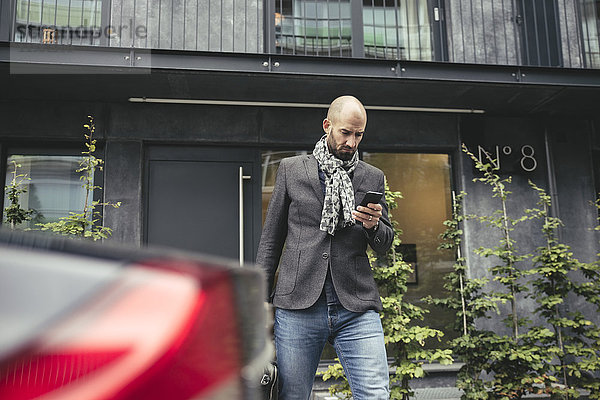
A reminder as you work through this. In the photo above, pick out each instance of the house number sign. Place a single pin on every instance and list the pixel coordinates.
(509, 158)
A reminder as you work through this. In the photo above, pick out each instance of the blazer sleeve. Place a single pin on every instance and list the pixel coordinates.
(381, 240)
(274, 231)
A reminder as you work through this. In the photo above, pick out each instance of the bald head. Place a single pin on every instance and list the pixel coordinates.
(344, 126)
(348, 105)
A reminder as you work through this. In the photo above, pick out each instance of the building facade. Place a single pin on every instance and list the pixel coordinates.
(196, 101)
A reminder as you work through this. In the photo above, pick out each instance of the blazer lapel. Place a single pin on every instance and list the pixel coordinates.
(359, 176)
(312, 173)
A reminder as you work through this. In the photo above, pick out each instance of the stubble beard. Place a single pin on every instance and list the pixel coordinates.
(344, 156)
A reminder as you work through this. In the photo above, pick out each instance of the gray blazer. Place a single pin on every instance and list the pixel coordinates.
(291, 240)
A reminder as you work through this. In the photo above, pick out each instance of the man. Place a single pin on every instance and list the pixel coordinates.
(325, 289)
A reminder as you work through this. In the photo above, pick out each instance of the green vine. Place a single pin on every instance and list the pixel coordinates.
(404, 336)
(14, 214)
(517, 361)
(86, 224)
(574, 344)
(469, 301)
(533, 359)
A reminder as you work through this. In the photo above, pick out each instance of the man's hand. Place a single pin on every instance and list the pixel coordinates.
(369, 216)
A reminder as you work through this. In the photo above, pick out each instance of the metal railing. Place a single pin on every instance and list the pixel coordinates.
(516, 32)
(389, 29)
(204, 25)
(589, 17)
(562, 33)
(507, 32)
(310, 27)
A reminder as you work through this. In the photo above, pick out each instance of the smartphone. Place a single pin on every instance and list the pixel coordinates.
(371, 197)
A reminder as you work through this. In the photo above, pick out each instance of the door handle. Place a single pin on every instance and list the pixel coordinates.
(241, 204)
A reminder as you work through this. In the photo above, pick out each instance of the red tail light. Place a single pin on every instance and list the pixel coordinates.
(159, 332)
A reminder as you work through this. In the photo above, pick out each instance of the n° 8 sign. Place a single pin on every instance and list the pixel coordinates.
(509, 158)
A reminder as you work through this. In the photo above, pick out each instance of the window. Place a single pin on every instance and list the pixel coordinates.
(424, 180)
(313, 27)
(590, 29)
(396, 29)
(53, 188)
(270, 163)
(392, 29)
(58, 21)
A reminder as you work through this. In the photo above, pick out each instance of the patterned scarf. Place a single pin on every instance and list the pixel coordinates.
(339, 193)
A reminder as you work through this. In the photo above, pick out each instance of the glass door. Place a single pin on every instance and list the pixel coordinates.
(424, 180)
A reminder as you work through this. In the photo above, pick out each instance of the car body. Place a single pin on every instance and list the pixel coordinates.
(81, 320)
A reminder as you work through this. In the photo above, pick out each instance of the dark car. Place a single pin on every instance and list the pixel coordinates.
(87, 321)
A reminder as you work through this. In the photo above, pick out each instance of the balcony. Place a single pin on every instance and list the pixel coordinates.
(554, 33)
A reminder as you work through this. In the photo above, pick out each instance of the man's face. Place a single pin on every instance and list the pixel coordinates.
(344, 133)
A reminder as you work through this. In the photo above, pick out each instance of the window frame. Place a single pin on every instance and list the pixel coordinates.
(439, 42)
(91, 35)
(52, 149)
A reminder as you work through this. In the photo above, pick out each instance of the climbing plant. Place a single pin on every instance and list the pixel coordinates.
(469, 301)
(517, 360)
(14, 214)
(87, 223)
(576, 339)
(405, 335)
(532, 359)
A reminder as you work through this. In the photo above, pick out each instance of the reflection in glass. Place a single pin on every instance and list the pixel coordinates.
(424, 180)
(399, 30)
(68, 19)
(60, 12)
(270, 163)
(313, 27)
(53, 189)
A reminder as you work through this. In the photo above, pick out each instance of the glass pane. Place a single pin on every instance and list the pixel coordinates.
(313, 27)
(424, 180)
(58, 21)
(53, 188)
(270, 163)
(397, 30)
(65, 13)
(590, 27)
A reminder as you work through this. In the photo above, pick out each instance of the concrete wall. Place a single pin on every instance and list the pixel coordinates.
(564, 169)
(502, 132)
(123, 176)
(571, 144)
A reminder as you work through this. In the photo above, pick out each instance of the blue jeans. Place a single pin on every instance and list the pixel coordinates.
(300, 337)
